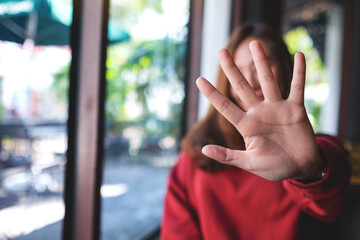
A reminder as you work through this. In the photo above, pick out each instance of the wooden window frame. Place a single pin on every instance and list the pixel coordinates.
(193, 61)
(347, 68)
(86, 120)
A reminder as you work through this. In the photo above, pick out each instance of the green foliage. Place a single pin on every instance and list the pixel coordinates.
(144, 70)
(61, 83)
(144, 79)
(299, 40)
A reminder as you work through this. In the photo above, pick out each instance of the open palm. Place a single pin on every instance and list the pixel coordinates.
(278, 136)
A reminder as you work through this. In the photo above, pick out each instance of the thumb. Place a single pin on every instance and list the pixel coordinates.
(227, 156)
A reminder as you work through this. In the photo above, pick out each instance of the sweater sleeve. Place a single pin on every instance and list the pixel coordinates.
(322, 200)
(179, 219)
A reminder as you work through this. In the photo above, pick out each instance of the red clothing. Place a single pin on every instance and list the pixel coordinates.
(236, 204)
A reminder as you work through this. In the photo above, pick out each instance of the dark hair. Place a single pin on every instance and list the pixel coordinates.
(214, 128)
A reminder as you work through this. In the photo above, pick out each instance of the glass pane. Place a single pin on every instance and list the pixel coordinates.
(34, 63)
(145, 92)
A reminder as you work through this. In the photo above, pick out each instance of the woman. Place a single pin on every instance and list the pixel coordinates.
(273, 178)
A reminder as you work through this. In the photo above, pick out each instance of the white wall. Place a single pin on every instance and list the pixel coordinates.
(333, 63)
(216, 27)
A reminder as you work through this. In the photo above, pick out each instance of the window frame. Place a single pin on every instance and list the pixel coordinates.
(86, 120)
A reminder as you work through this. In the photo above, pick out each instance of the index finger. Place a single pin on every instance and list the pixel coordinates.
(226, 107)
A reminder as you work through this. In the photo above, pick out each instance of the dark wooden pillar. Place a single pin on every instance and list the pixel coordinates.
(193, 61)
(349, 124)
(86, 120)
(349, 119)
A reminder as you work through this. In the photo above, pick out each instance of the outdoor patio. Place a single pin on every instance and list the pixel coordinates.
(131, 205)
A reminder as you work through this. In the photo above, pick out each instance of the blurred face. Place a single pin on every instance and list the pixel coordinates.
(245, 63)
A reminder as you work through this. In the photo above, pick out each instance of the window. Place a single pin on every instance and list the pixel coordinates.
(144, 101)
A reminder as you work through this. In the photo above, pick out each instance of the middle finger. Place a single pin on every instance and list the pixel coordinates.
(241, 86)
(267, 80)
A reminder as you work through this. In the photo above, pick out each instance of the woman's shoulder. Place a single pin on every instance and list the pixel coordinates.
(185, 161)
(182, 172)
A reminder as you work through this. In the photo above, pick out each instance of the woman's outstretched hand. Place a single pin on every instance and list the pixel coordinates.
(279, 138)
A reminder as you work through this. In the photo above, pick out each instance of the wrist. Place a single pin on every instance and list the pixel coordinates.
(321, 171)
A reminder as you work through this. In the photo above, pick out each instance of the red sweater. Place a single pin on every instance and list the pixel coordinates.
(235, 204)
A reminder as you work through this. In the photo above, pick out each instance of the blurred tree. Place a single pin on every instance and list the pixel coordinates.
(127, 12)
(144, 77)
(146, 70)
